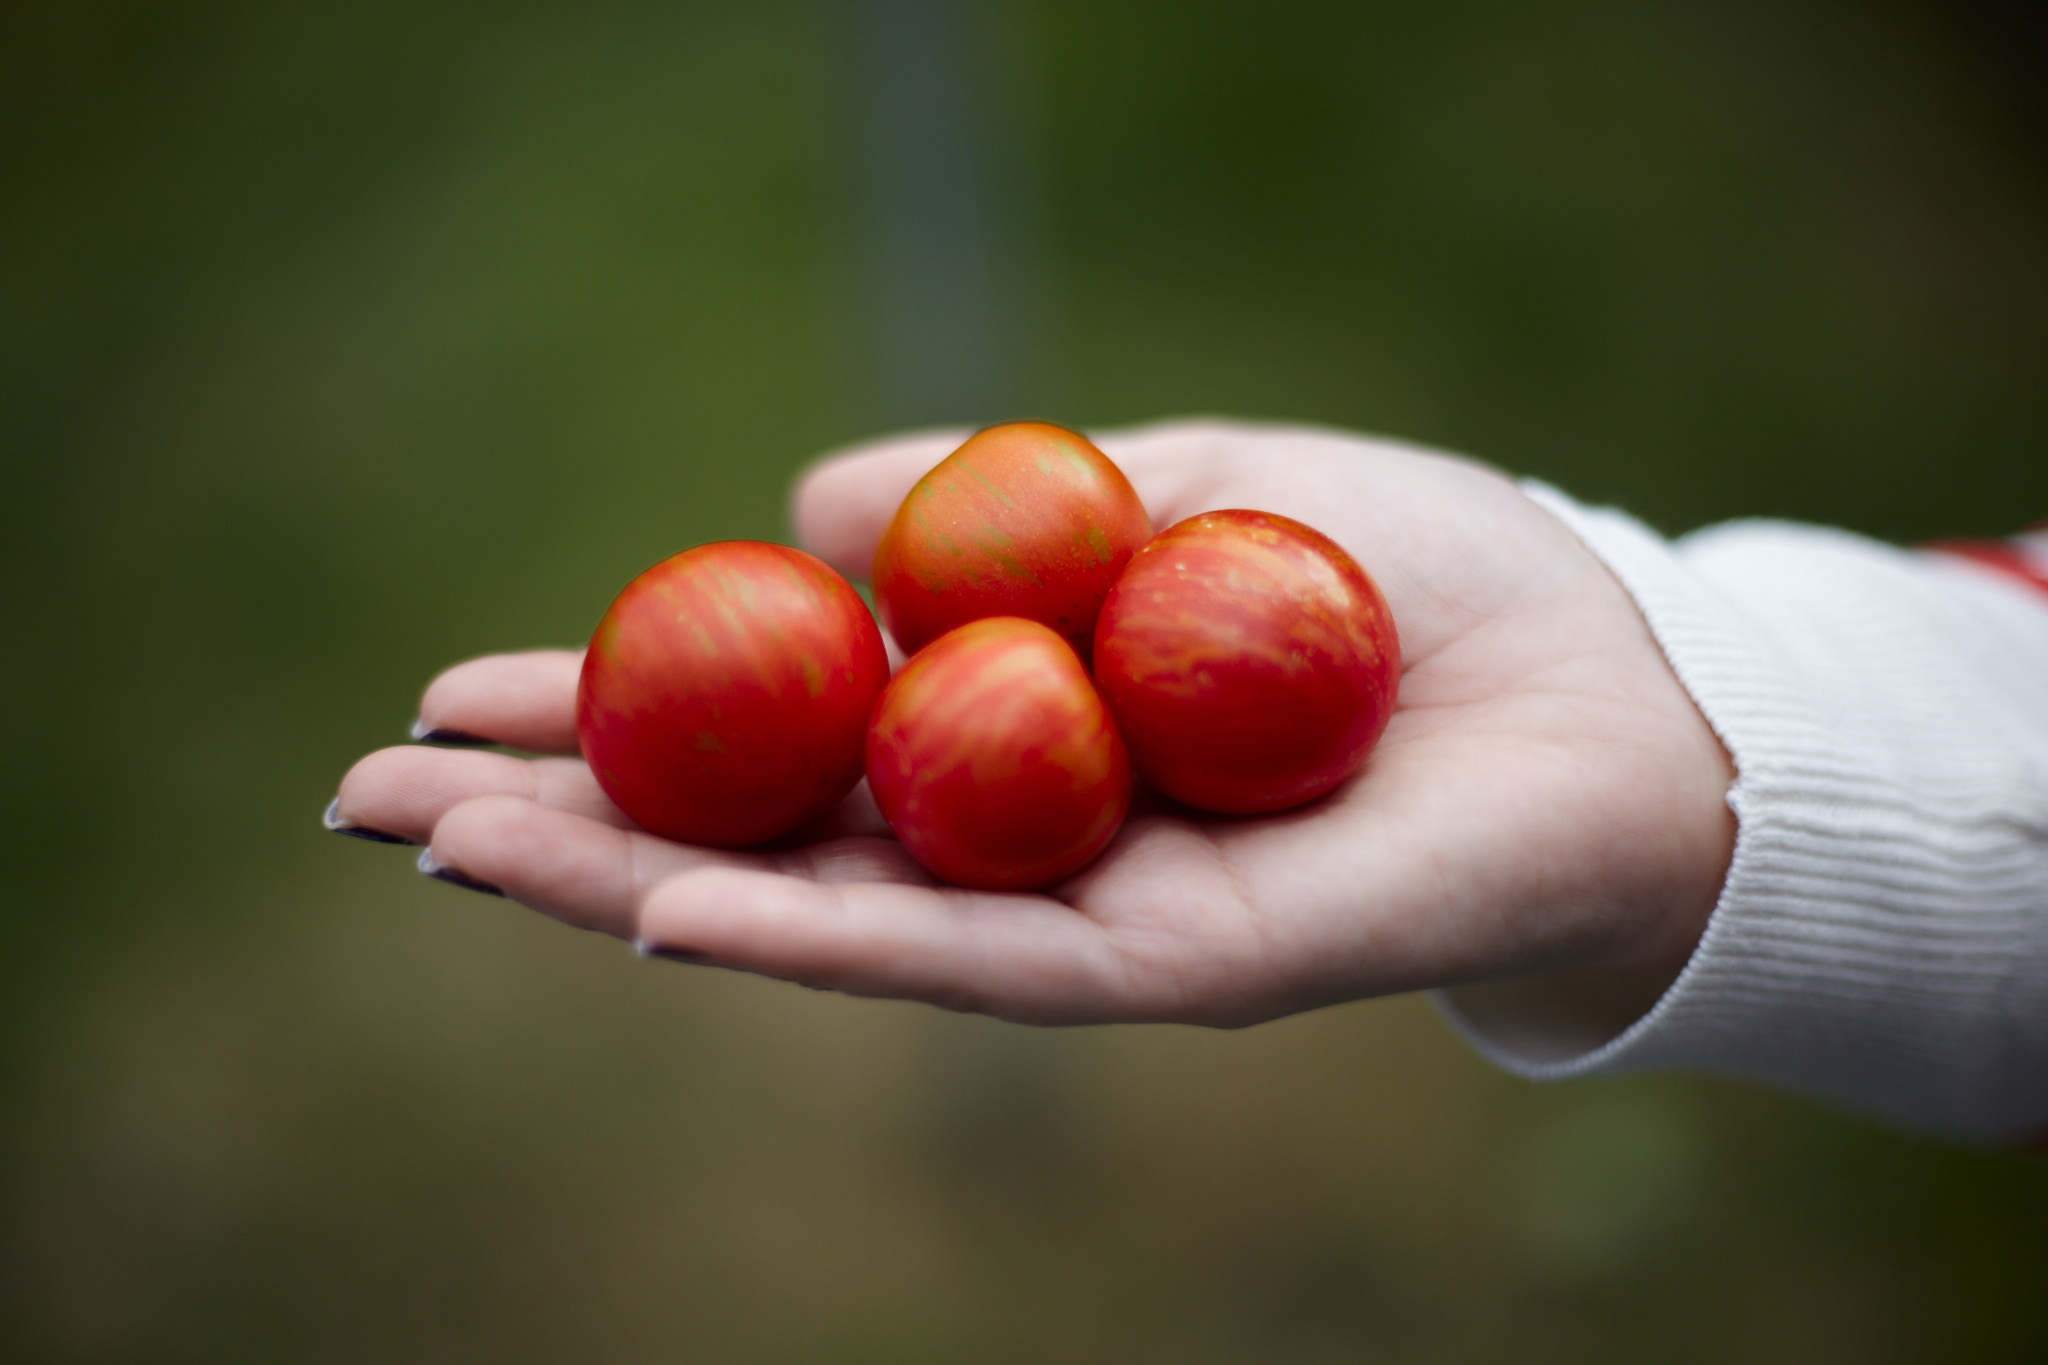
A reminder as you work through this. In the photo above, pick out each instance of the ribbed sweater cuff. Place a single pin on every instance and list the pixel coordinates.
(1882, 937)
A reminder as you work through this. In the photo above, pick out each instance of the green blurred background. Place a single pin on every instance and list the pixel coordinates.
(345, 340)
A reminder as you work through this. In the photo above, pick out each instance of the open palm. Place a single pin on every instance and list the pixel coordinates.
(1545, 810)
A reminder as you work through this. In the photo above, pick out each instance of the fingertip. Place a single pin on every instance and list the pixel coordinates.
(466, 846)
(525, 701)
(489, 812)
(565, 866)
(430, 866)
(474, 835)
(572, 867)
(724, 917)
(390, 791)
(335, 821)
(419, 732)
(787, 928)
(726, 911)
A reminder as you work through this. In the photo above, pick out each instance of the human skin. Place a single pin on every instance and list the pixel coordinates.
(1543, 824)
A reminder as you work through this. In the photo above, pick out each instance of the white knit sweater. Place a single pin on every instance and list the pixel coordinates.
(1882, 938)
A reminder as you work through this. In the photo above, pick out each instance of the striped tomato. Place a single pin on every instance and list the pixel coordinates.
(1025, 520)
(994, 760)
(1249, 661)
(725, 696)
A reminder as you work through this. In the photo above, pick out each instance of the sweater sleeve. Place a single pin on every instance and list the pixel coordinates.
(1882, 937)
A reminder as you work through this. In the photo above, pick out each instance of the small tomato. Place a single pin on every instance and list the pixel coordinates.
(1025, 519)
(994, 760)
(1249, 661)
(725, 696)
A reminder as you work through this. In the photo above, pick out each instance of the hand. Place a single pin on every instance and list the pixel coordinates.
(1546, 811)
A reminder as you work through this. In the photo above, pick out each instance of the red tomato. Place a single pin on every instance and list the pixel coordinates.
(1249, 661)
(726, 693)
(1023, 520)
(995, 761)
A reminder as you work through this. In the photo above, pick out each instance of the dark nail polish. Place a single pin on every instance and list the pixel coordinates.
(443, 735)
(333, 821)
(688, 955)
(455, 876)
(375, 836)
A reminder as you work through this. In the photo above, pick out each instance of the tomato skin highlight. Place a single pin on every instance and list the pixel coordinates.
(1250, 662)
(725, 695)
(994, 759)
(1025, 519)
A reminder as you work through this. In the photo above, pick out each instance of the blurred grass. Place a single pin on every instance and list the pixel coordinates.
(343, 341)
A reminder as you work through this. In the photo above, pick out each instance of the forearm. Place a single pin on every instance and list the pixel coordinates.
(1882, 938)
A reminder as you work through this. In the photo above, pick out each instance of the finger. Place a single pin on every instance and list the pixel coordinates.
(1188, 465)
(842, 504)
(578, 870)
(593, 875)
(1027, 958)
(402, 793)
(526, 701)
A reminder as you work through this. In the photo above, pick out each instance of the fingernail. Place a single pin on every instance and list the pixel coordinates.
(455, 876)
(332, 819)
(426, 734)
(646, 949)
